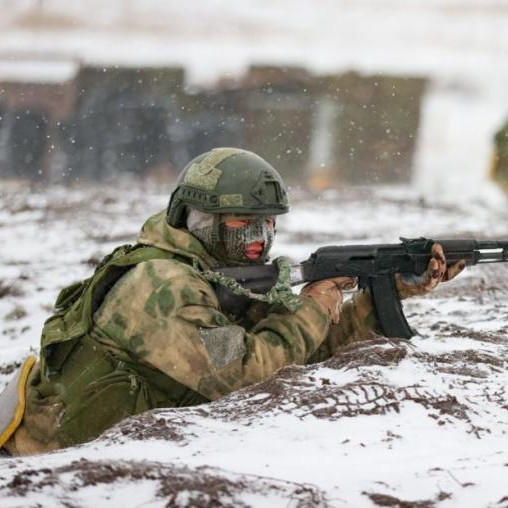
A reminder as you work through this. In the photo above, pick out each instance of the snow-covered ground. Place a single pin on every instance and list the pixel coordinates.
(449, 38)
(461, 46)
(386, 423)
(399, 424)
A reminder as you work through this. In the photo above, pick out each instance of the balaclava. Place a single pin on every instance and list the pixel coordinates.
(230, 245)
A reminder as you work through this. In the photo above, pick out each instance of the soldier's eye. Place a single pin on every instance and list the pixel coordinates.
(236, 223)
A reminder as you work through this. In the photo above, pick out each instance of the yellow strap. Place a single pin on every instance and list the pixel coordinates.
(20, 409)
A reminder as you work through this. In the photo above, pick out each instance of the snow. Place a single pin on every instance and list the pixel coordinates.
(459, 46)
(38, 71)
(392, 434)
(371, 36)
(431, 426)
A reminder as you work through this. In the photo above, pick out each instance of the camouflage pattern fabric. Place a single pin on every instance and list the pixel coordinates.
(160, 339)
(205, 174)
(358, 321)
(280, 295)
(166, 314)
(500, 157)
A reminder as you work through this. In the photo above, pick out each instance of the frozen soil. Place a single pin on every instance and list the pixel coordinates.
(177, 485)
(397, 423)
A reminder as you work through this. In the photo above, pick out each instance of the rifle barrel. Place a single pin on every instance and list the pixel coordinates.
(492, 255)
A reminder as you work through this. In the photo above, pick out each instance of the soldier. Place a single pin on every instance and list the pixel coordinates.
(147, 330)
(499, 168)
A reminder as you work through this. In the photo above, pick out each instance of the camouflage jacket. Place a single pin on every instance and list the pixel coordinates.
(160, 339)
(165, 314)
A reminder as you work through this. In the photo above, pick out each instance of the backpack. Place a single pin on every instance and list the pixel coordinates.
(77, 303)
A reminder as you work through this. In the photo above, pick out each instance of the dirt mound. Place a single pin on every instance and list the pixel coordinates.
(386, 500)
(316, 391)
(381, 352)
(351, 425)
(177, 486)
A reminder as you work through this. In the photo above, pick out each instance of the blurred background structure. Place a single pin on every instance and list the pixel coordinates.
(333, 93)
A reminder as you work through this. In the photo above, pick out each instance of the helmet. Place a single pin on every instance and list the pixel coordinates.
(230, 181)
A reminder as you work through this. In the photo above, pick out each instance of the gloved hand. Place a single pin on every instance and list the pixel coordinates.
(437, 271)
(328, 294)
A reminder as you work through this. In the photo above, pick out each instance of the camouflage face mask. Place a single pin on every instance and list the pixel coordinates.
(236, 239)
(230, 247)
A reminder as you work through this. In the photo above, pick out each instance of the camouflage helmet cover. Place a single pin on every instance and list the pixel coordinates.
(228, 180)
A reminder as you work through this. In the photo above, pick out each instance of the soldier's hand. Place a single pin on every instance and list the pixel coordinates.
(328, 294)
(437, 271)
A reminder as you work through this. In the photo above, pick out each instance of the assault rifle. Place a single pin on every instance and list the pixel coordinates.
(375, 267)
